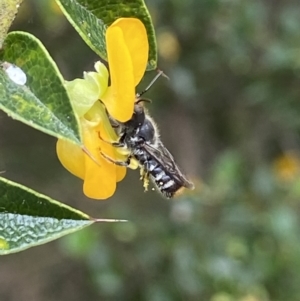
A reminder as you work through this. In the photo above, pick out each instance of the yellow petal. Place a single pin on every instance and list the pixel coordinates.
(108, 134)
(98, 114)
(127, 52)
(100, 179)
(121, 173)
(120, 96)
(71, 157)
(112, 152)
(136, 40)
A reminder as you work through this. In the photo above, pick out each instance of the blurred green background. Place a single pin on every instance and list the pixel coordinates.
(230, 114)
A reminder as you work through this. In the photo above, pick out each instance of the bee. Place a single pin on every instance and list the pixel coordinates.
(140, 138)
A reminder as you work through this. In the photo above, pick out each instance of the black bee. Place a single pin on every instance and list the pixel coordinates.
(140, 138)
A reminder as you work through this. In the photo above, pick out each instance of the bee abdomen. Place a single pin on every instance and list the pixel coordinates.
(163, 181)
(141, 156)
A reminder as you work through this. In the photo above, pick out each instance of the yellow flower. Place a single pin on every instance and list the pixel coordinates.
(287, 167)
(127, 52)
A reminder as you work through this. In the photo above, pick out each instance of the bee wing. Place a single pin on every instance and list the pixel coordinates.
(165, 158)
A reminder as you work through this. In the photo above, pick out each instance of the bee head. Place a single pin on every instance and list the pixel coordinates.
(138, 117)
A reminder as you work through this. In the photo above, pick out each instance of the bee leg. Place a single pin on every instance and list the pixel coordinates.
(113, 122)
(119, 163)
(115, 144)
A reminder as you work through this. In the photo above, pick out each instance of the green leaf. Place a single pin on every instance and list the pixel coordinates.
(8, 11)
(91, 18)
(43, 103)
(28, 218)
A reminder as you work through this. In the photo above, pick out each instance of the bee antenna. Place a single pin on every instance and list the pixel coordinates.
(159, 73)
(163, 74)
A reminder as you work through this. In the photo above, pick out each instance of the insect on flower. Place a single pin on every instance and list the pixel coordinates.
(134, 141)
(139, 139)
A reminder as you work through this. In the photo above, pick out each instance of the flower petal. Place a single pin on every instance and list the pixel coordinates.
(120, 96)
(127, 52)
(100, 178)
(120, 173)
(98, 114)
(71, 157)
(112, 151)
(101, 69)
(83, 94)
(100, 78)
(136, 40)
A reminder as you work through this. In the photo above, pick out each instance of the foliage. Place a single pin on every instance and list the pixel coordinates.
(86, 16)
(29, 219)
(32, 90)
(44, 104)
